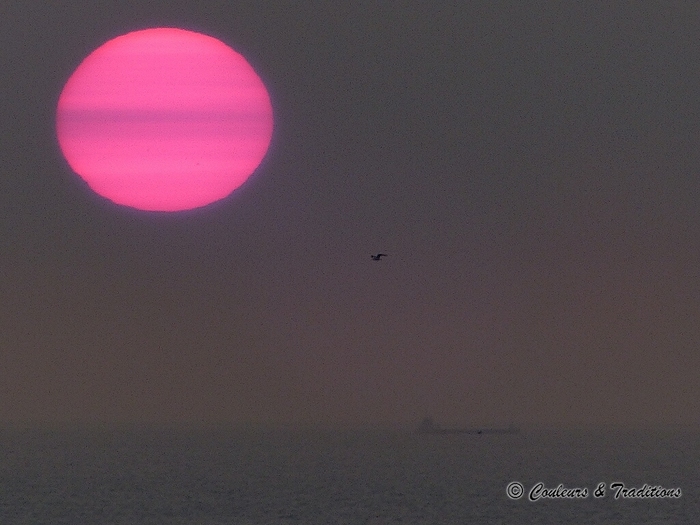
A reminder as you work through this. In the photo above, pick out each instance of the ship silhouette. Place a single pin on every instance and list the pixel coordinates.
(428, 426)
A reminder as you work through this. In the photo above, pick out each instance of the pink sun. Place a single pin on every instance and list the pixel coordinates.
(164, 120)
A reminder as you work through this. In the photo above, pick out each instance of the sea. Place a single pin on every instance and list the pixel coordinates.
(216, 477)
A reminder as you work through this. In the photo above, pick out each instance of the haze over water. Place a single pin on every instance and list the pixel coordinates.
(532, 171)
(353, 477)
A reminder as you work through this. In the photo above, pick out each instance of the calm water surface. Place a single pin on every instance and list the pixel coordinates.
(181, 477)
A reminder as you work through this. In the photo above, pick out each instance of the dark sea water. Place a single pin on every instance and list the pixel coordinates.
(218, 477)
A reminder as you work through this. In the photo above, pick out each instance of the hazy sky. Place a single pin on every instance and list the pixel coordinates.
(531, 168)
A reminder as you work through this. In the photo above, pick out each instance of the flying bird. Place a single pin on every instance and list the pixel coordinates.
(378, 257)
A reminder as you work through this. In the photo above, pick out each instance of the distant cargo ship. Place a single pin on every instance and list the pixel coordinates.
(428, 426)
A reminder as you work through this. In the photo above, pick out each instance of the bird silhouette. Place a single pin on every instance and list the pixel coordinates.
(378, 257)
